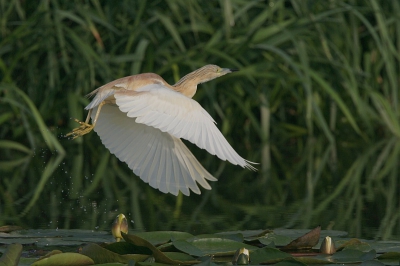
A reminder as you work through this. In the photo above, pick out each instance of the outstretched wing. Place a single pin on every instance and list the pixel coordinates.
(170, 111)
(157, 157)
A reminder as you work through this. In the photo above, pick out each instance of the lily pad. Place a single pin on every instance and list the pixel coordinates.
(157, 254)
(123, 248)
(178, 256)
(101, 255)
(353, 244)
(219, 246)
(278, 240)
(372, 263)
(67, 259)
(390, 256)
(247, 234)
(267, 255)
(234, 236)
(11, 255)
(161, 237)
(188, 248)
(308, 240)
(353, 256)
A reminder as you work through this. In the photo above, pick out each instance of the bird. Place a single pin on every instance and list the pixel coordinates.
(141, 119)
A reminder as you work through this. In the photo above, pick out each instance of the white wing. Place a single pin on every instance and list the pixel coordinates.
(156, 157)
(170, 111)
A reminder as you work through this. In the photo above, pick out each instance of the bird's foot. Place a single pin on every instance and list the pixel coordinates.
(83, 129)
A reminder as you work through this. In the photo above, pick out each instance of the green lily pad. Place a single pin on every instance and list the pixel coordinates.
(67, 259)
(290, 262)
(101, 255)
(313, 260)
(372, 263)
(178, 256)
(123, 248)
(11, 255)
(111, 264)
(152, 264)
(306, 241)
(157, 254)
(247, 234)
(26, 261)
(295, 233)
(188, 248)
(219, 246)
(234, 236)
(353, 256)
(278, 240)
(161, 237)
(389, 256)
(267, 255)
(385, 246)
(353, 244)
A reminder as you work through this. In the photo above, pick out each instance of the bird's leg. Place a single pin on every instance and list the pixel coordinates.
(85, 127)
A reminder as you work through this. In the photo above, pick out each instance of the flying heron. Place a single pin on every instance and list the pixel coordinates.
(141, 119)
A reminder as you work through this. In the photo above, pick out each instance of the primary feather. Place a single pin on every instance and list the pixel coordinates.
(159, 158)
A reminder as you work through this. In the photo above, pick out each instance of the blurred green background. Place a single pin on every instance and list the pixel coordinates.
(316, 103)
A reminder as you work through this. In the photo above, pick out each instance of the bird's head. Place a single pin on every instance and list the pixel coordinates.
(188, 84)
(209, 72)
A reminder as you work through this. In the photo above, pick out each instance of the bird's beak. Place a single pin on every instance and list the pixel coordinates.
(229, 70)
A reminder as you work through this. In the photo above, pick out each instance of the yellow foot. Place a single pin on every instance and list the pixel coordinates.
(83, 129)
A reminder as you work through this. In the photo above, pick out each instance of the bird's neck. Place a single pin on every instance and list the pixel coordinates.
(188, 84)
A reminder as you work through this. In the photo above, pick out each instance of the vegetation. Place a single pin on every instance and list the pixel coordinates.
(316, 102)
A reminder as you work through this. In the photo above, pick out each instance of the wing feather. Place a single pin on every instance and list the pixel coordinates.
(157, 157)
(160, 107)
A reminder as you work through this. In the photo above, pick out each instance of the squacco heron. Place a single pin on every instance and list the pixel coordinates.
(142, 121)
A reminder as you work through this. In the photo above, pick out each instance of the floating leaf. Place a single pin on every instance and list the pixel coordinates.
(306, 241)
(157, 254)
(278, 240)
(370, 255)
(313, 260)
(353, 256)
(372, 263)
(207, 261)
(234, 236)
(188, 248)
(354, 244)
(267, 255)
(290, 262)
(179, 256)
(11, 255)
(67, 259)
(390, 256)
(161, 237)
(248, 234)
(219, 246)
(51, 253)
(123, 248)
(102, 255)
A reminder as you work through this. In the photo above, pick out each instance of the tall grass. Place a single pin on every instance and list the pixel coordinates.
(315, 102)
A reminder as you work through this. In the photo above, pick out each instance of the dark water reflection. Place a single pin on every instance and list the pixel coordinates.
(364, 209)
(85, 213)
